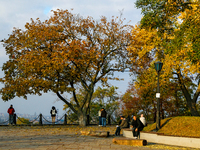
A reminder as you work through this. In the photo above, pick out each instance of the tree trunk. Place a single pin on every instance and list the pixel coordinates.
(82, 118)
(191, 103)
(192, 106)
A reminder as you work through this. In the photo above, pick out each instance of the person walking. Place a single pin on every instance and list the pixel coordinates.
(100, 119)
(53, 113)
(124, 124)
(137, 126)
(103, 116)
(11, 111)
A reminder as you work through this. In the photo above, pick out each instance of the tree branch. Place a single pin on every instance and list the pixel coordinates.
(74, 94)
(66, 102)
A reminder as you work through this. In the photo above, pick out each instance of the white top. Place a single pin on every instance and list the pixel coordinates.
(142, 119)
(99, 113)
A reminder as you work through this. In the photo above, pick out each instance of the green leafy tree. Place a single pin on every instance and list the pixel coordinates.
(105, 98)
(102, 98)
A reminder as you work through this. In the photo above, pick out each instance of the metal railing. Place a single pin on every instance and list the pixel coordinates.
(40, 120)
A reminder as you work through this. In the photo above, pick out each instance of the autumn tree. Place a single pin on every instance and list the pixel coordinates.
(62, 53)
(140, 96)
(130, 102)
(176, 24)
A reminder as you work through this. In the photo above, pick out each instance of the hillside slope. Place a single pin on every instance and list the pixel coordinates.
(185, 126)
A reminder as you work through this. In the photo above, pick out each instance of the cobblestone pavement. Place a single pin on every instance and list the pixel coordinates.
(59, 139)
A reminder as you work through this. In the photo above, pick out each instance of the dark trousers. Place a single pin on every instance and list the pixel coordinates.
(11, 119)
(103, 121)
(117, 132)
(136, 133)
(100, 120)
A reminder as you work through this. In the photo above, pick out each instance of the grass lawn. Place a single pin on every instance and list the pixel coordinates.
(178, 126)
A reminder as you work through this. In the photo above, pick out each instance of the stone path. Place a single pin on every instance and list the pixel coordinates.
(58, 139)
(61, 142)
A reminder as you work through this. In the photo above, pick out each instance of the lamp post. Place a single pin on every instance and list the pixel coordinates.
(158, 67)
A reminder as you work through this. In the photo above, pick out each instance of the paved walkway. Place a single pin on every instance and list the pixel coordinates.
(20, 138)
(62, 142)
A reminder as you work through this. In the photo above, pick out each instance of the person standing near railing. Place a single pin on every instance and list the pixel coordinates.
(53, 113)
(11, 111)
(100, 119)
(103, 116)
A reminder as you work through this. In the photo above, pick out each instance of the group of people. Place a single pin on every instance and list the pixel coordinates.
(11, 111)
(136, 124)
(102, 117)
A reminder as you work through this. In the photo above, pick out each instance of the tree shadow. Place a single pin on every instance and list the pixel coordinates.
(154, 130)
(149, 144)
(165, 122)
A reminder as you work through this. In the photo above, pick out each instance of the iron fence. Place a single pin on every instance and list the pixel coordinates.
(65, 119)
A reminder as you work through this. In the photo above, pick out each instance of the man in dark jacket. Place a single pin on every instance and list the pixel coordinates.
(11, 111)
(124, 124)
(103, 116)
(137, 126)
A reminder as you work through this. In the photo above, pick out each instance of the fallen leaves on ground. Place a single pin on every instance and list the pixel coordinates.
(66, 130)
(186, 126)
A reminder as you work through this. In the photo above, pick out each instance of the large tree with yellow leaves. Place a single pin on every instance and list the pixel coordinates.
(174, 26)
(62, 53)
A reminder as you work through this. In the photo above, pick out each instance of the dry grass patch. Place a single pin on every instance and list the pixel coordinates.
(185, 126)
(182, 126)
(152, 127)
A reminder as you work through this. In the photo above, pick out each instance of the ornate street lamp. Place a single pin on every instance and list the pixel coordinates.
(158, 67)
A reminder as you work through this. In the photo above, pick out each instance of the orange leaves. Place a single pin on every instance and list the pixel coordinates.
(63, 51)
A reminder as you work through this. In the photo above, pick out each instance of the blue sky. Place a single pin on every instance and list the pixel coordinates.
(15, 13)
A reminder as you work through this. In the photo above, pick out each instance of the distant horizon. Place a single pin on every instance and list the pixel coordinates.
(24, 114)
